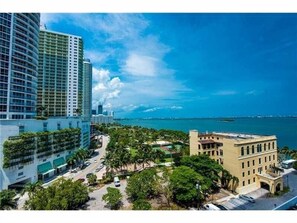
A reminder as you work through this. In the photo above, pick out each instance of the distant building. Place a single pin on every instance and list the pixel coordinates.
(87, 90)
(60, 73)
(19, 33)
(46, 151)
(100, 109)
(105, 113)
(251, 158)
(102, 119)
(94, 112)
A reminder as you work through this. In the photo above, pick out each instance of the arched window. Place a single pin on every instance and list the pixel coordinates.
(264, 146)
(268, 146)
(253, 149)
(273, 145)
(242, 151)
(247, 150)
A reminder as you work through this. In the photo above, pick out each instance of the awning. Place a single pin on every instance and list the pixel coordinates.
(59, 162)
(62, 165)
(45, 168)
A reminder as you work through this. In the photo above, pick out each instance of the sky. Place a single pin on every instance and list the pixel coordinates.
(187, 65)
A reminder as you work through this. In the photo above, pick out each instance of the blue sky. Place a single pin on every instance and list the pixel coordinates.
(189, 65)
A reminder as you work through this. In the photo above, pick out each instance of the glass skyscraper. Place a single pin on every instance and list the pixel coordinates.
(19, 33)
(87, 89)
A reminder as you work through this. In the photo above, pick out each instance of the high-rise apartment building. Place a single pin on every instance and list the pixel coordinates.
(19, 33)
(100, 109)
(87, 90)
(60, 77)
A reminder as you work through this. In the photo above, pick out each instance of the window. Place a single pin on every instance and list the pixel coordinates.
(272, 145)
(247, 150)
(254, 179)
(242, 151)
(45, 126)
(265, 159)
(248, 163)
(273, 157)
(242, 174)
(249, 181)
(254, 171)
(249, 172)
(264, 146)
(260, 170)
(58, 126)
(198, 146)
(253, 149)
(259, 160)
(243, 184)
(44, 160)
(265, 167)
(21, 129)
(212, 153)
(21, 173)
(21, 167)
(253, 162)
(199, 153)
(242, 165)
(269, 158)
(268, 146)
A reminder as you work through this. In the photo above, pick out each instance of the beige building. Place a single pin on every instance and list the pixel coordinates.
(251, 158)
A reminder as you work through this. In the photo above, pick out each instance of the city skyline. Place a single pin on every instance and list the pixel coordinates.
(214, 65)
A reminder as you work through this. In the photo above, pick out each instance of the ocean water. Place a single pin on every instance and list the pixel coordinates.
(285, 129)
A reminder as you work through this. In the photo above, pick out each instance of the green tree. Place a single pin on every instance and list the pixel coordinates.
(142, 185)
(31, 188)
(113, 198)
(183, 182)
(7, 200)
(92, 179)
(61, 195)
(141, 204)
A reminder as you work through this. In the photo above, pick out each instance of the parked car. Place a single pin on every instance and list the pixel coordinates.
(211, 207)
(116, 181)
(99, 167)
(89, 174)
(222, 207)
(247, 198)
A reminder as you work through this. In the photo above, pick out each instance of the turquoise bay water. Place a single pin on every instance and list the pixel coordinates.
(285, 129)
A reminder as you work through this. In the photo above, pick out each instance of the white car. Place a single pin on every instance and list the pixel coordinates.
(211, 207)
(247, 198)
(116, 181)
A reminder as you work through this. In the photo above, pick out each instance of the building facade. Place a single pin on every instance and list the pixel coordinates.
(87, 90)
(102, 119)
(19, 33)
(100, 109)
(38, 149)
(60, 77)
(251, 158)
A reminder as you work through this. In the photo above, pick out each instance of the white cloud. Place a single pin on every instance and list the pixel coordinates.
(105, 87)
(225, 93)
(152, 109)
(176, 107)
(140, 65)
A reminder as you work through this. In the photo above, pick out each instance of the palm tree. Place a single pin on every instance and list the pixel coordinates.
(71, 161)
(235, 182)
(32, 188)
(7, 200)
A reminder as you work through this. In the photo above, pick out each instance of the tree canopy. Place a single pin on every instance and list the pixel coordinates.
(113, 197)
(183, 182)
(142, 185)
(141, 204)
(61, 195)
(7, 201)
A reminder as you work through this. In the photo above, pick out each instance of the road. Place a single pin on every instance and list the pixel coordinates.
(96, 202)
(80, 174)
(263, 202)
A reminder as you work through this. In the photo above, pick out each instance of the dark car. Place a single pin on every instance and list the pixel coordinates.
(89, 174)
(221, 207)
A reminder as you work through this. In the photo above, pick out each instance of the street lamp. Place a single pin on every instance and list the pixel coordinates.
(198, 188)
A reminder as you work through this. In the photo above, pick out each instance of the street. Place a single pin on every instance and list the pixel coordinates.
(262, 201)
